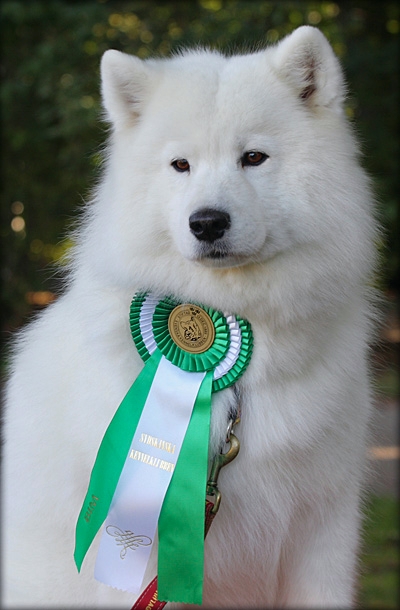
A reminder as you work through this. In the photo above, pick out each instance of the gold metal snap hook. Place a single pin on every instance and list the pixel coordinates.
(219, 461)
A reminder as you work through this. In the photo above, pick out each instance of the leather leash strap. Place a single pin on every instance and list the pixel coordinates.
(148, 600)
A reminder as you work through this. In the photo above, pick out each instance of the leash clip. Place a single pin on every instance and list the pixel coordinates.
(220, 460)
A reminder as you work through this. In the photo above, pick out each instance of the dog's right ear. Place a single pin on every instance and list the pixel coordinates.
(124, 83)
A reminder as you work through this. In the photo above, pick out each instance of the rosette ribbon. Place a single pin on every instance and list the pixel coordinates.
(151, 467)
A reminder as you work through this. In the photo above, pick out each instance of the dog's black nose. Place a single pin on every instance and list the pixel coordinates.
(208, 224)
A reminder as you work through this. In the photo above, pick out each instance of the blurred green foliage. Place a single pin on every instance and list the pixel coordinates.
(51, 128)
(379, 584)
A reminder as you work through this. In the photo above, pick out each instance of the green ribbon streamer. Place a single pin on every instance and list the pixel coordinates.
(181, 522)
(111, 459)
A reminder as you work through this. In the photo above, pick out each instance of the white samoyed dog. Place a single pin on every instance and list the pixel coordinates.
(231, 181)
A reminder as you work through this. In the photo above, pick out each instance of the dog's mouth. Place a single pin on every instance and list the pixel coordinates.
(214, 252)
(217, 255)
(220, 256)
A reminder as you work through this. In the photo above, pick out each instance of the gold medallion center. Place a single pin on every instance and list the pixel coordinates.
(191, 328)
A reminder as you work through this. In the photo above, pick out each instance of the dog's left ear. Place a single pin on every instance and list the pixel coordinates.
(307, 62)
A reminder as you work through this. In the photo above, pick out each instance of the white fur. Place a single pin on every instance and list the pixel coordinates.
(299, 255)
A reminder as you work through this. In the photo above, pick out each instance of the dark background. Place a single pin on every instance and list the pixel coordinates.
(51, 128)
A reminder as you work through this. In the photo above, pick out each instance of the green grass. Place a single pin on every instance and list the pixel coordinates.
(379, 583)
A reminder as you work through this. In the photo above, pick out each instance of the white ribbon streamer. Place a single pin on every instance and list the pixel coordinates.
(131, 523)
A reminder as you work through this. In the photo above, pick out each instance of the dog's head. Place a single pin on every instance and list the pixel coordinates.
(224, 163)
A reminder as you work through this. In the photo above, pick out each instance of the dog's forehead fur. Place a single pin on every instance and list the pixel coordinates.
(224, 100)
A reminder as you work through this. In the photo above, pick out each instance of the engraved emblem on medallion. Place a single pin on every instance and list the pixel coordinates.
(191, 328)
(127, 539)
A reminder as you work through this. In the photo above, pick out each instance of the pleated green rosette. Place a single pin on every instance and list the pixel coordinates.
(228, 357)
(164, 330)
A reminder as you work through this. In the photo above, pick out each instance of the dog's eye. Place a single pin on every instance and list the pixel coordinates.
(253, 157)
(181, 165)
